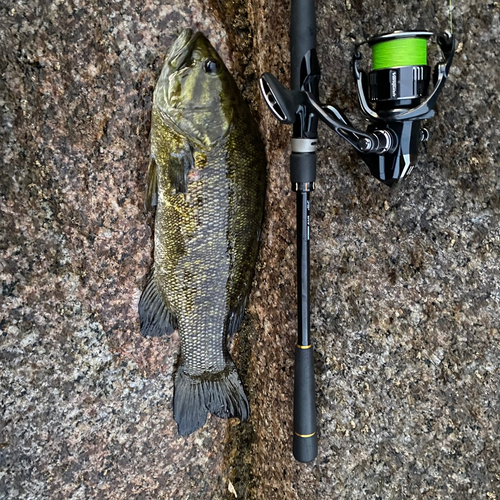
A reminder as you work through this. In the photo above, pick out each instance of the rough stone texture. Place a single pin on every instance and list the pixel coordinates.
(405, 282)
(87, 402)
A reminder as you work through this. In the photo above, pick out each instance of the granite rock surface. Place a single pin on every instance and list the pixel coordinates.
(405, 281)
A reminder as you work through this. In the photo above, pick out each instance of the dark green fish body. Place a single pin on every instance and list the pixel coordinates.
(208, 170)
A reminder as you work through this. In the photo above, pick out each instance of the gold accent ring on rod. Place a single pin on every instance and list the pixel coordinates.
(305, 435)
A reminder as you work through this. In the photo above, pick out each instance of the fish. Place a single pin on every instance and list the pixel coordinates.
(207, 178)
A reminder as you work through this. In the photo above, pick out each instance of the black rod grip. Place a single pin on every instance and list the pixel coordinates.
(305, 439)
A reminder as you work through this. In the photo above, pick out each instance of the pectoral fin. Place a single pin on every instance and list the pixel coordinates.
(179, 165)
(156, 319)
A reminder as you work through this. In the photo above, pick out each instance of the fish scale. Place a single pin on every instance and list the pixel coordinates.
(200, 303)
(209, 172)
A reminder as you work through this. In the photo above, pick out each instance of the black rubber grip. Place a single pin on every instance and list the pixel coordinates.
(305, 439)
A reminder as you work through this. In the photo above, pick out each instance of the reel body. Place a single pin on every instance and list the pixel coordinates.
(397, 88)
(399, 94)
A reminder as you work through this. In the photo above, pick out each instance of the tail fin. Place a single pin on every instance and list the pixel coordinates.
(219, 393)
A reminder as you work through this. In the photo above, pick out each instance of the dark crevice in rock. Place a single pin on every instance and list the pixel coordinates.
(240, 435)
(240, 439)
(233, 15)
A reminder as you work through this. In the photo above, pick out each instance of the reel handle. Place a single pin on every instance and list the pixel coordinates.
(305, 439)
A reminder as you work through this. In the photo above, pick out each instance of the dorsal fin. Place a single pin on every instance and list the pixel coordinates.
(235, 316)
(151, 186)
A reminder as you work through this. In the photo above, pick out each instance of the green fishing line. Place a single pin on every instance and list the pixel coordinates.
(400, 52)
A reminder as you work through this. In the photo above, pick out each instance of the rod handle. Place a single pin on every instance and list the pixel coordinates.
(305, 439)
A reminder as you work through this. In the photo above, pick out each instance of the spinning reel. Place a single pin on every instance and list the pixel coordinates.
(397, 87)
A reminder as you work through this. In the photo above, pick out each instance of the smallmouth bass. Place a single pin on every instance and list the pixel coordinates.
(207, 176)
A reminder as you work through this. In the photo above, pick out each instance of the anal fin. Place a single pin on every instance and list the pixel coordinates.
(156, 319)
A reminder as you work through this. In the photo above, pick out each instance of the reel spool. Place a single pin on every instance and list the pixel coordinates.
(400, 74)
(397, 87)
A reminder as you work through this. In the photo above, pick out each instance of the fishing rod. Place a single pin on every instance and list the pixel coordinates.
(305, 75)
(397, 88)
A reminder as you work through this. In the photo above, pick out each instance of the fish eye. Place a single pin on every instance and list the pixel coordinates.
(210, 66)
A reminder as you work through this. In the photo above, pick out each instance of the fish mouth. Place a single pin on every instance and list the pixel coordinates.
(181, 50)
